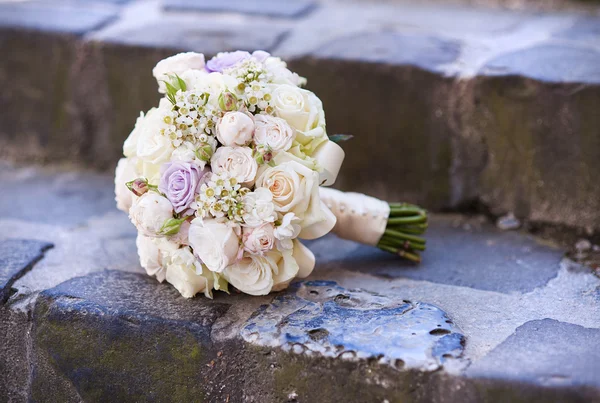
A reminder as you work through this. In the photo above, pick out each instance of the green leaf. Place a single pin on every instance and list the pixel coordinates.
(338, 138)
(182, 84)
(172, 226)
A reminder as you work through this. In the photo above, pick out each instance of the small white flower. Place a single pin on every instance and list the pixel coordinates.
(215, 243)
(236, 162)
(273, 132)
(258, 240)
(258, 207)
(149, 213)
(235, 129)
(287, 231)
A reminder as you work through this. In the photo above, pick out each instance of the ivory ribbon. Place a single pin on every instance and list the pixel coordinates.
(360, 218)
(329, 156)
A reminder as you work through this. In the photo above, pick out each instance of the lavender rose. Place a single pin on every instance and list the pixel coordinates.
(225, 60)
(179, 182)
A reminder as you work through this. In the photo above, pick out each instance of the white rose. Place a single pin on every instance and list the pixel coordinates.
(237, 162)
(304, 112)
(153, 146)
(149, 213)
(253, 274)
(185, 273)
(235, 128)
(124, 173)
(152, 257)
(258, 240)
(282, 75)
(287, 269)
(295, 189)
(215, 243)
(177, 64)
(273, 132)
(130, 144)
(287, 231)
(258, 207)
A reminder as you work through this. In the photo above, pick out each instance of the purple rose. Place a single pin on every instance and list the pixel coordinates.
(226, 60)
(179, 182)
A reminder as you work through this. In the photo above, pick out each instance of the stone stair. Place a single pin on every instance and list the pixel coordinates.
(477, 110)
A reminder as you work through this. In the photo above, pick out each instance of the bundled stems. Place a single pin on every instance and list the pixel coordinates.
(401, 237)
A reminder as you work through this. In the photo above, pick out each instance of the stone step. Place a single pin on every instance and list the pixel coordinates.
(448, 104)
(489, 316)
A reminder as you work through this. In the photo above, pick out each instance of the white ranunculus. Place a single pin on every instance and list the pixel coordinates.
(287, 231)
(215, 243)
(235, 129)
(237, 162)
(273, 132)
(149, 213)
(303, 111)
(124, 173)
(258, 240)
(259, 207)
(177, 64)
(152, 257)
(253, 274)
(185, 273)
(295, 189)
(153, 146)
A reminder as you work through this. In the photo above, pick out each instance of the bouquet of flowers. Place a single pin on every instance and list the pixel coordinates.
(224, 177)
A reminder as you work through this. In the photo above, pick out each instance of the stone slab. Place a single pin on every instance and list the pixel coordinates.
(392, 48)
(557, 63)
(69, 197)
(275, 8)
(585, 29)
(17, 257)
(467, 253)
(75, 18)
(545, 352)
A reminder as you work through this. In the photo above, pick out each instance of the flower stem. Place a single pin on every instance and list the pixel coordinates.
(401, 237)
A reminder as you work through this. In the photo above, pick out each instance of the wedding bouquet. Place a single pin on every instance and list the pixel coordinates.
(225, 175)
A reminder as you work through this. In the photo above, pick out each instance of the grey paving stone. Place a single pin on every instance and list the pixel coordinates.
(17, 257)
(465, 253)
(392, 48)
(51, 196)
(583, 30)
(323, 318)
(76, 18)
(208, 38)
(550, 62)
(276, 8)
(546, 352)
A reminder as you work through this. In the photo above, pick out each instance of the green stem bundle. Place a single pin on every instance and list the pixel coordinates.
(401, 237)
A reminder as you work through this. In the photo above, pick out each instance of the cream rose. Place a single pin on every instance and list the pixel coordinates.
(259, 207)
(287, 231)
(185, 273)
(273, 132)
(253, 274)
(149, 213)
(177, 64)
(215, 243)
(153, 146)
(258, 240)
(295, 189)
(287, 269)
(303, 111)
(235, 129)
(124, 173)
(237, 162)
(152, 258)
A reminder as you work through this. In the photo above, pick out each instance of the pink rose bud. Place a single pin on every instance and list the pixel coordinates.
(138, 186)
(228, 101)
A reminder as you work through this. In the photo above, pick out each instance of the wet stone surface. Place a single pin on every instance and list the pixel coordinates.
(17, 256)
(468, 253)
(321, 317)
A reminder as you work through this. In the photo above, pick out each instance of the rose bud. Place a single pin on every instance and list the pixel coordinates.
(138, 186)
(228, 101)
